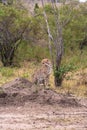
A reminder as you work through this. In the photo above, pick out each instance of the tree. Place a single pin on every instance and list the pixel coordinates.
(56, 40)
(77, 28)
(13, 24)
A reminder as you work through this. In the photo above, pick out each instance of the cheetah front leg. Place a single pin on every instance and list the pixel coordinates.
(36, 85)
(44, 84)
(47, 83)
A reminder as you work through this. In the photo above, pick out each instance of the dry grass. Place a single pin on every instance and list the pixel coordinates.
(26, 70)
(74, 83)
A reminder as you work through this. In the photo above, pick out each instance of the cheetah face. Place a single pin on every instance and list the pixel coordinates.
(46, 62)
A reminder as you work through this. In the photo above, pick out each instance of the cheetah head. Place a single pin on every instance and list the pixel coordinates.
(46, 62)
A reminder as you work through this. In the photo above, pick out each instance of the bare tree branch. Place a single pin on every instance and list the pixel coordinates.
(50, 37)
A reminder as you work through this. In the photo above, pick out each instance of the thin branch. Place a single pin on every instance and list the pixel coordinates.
(50, 37)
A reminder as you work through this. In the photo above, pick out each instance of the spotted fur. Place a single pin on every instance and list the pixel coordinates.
(41, 76)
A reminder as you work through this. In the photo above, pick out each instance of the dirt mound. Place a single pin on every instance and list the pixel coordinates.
(21, 90)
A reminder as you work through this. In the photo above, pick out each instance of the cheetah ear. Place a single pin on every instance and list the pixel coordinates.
(46, 60)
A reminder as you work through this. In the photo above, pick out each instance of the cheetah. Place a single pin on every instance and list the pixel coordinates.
(41, 76)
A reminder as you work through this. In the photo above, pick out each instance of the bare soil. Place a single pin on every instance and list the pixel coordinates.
(22, 108)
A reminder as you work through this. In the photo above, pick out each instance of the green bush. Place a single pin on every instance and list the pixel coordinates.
(13, 23)
(63, 69)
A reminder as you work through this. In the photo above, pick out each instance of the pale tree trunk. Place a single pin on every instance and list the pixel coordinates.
(50, 38)
(57, 42)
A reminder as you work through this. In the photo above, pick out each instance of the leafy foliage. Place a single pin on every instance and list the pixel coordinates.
(63, 69)
(73, 33)
(12, 26)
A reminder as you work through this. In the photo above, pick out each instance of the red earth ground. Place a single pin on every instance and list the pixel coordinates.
(22, 108)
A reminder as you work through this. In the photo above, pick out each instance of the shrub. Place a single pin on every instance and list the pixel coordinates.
(63, 69)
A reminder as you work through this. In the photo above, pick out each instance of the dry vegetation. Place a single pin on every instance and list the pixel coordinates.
(73, 83)
(21, 108)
